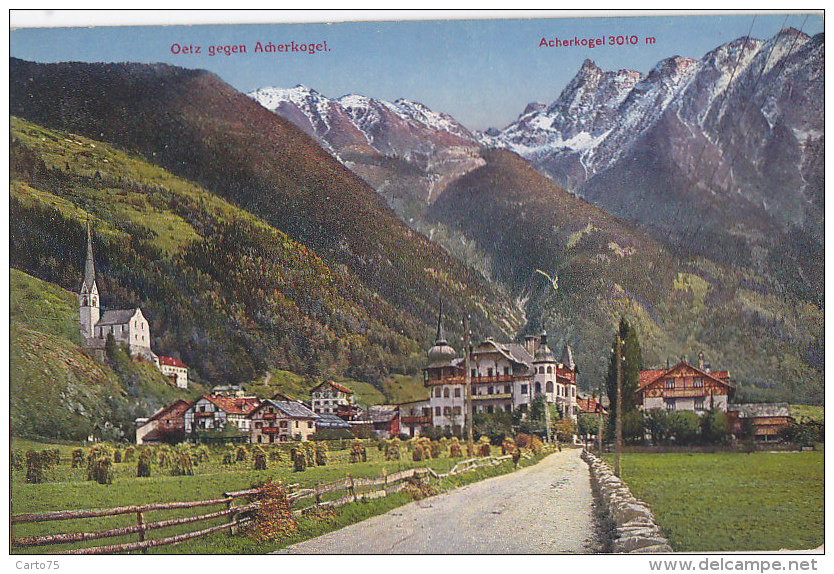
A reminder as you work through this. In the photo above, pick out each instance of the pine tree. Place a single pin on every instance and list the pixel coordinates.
(632, 363)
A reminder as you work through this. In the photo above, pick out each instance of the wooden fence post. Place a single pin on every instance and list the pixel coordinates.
(140, 520)
(352, 489)
(232, 517)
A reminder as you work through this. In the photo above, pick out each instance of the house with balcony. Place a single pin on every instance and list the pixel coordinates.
(331, 398)
(504, 377)
(281, 421)
(214, 412)
(685, 387)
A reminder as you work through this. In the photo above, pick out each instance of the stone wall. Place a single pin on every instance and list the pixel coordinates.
(634, 527)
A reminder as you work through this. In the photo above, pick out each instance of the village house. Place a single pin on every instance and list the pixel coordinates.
(281, 421)
(327, 397)
(166, 425)
(175, 370)
(384, 420)
(415, 417)
(769, 419)
(685, 387)
(126, 326)
(214, 412)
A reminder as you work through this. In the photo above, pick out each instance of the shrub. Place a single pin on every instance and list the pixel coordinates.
(260, 461)
(684, 426)
(35, 463)
(273, 519)
(523, 440)
(714, 429)
(417, 453)
(143, 466)
(507, 447)
(565, 429)
(536, 445)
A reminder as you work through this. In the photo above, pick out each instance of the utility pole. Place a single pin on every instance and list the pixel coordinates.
(599, 424)
(470, 448)
(618, 445)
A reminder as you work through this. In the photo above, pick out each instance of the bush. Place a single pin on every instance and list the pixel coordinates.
(260, 461)
(684, 427)
(565, 429)
(536, 445)
(523, 440)
(273, 519)
(714, 428)
(417, 453)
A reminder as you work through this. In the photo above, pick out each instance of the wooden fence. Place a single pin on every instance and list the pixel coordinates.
(355, 489)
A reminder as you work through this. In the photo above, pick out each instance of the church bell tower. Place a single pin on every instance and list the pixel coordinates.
(88, 299)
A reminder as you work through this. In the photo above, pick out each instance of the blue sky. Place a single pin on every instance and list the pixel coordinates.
(482, 72)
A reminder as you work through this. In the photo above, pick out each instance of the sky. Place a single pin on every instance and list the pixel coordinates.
(482, 72)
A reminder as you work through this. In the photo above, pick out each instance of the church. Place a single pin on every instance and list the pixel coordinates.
(128, 326)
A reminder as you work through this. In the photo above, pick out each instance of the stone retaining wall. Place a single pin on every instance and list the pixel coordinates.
(634, 527)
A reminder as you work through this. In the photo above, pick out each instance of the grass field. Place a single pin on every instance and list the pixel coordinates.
(67, 489)
(707, 502)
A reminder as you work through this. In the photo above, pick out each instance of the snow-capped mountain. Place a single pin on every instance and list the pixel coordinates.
(736, 133)
(406, 151)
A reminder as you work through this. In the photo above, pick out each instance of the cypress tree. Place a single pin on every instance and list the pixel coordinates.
(632, 363)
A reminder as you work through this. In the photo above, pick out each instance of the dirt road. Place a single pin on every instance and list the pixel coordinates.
(545, 508)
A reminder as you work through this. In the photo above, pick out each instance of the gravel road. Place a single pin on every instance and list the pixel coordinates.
(545, 508)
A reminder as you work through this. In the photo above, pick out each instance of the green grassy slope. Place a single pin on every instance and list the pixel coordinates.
(57, 391)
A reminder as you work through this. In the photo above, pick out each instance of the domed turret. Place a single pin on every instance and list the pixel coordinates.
(441, 352)
(543, 352)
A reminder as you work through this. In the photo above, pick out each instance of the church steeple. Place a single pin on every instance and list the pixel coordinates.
(89, 311)
(440, 339)
(89, 265)
(441, 352)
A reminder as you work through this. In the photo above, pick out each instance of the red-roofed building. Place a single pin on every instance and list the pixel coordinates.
(327, 397)
(589, 405)
(166, 425)
(684, 387)
(215, 412)
(175, 370)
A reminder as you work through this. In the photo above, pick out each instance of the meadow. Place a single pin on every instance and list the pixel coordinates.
(723, 502)
(66, 488)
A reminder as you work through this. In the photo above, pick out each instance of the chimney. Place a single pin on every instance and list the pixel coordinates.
(530, 342)
(701, 360)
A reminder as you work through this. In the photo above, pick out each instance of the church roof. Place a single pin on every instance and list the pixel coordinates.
(117, 316)
(89, 265)
(543, 352)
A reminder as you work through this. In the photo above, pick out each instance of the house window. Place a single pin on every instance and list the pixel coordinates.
(282, 424)
(507, 389)
(507, 408)
(489, 409)
(446, 411)
(309, 425)
(538, 388)
(489, 372)
(437, 411)
(670, 404)
(670, 383)
(446, 392)
(506, 370)
(549, 370)
(474, 373)
(699, 404)
(456, 411)
(549, 387)
(523, 389)
(698, 383)
(457, 392)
